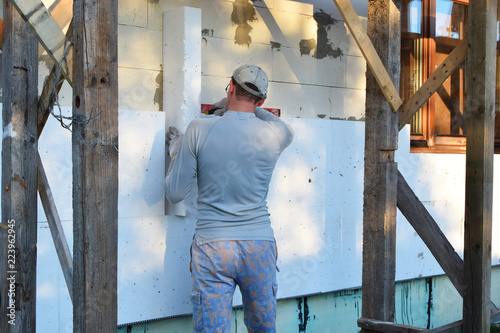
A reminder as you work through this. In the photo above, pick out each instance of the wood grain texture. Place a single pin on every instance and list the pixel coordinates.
(95, 166)
(19, 175)
(380, 172)
(479, 118)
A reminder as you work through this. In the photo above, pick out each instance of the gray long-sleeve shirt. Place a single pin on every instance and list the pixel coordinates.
(233, 158)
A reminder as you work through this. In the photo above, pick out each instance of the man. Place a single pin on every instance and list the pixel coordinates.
(233, 158)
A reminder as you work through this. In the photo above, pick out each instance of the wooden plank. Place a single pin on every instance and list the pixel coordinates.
(95, 166)
(387, 327)
(18, 253)
(370, 53)
(62, 13)
(455, 327)
(480, 119)
(427, 228)
(380, 172)
(445, 69)
(45, 27)
(55, 226)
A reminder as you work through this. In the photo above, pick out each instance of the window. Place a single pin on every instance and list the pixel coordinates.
(430, 30)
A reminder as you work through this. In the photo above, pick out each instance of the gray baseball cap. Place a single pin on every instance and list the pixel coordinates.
(254, 75)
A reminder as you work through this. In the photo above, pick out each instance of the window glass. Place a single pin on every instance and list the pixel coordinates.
(450, 98)
(414, 9)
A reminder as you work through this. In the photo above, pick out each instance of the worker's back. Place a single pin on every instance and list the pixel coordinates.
(235, 158)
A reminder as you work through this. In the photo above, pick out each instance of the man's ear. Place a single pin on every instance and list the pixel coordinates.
(259, 103)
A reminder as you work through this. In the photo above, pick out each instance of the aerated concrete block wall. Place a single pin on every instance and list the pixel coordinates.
(314, 66)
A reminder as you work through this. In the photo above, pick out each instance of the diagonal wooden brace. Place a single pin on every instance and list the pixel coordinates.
(435, 240)
(46, 29)
(365, 45)
(447, 67)
(55, 227)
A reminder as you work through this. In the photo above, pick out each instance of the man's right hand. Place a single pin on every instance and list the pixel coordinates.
(219, 108)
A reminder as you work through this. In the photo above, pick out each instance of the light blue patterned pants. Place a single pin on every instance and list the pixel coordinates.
(217, 267)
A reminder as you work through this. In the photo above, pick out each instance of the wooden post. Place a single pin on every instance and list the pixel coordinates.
(480, 116)
(95, 166)
(19, 175)
(380, 175)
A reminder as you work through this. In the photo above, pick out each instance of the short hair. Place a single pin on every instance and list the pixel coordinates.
(242, 94)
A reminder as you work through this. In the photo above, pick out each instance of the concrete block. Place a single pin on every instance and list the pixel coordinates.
(290, 66)
(213, 88)
(300, 100)
(298, 7)
(216, 20)
(287, 28)
(133, 13)
(139, 48)
(348, 104)
(350, 47)
(155, 15)
(340, 37)
(221, 57)
(355, 76)
(140, 89)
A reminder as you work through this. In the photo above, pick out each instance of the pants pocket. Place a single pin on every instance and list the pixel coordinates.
(197, 311)
(195, 297)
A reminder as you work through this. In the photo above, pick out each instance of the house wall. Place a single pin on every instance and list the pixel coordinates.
(426, 303)
(316, 195)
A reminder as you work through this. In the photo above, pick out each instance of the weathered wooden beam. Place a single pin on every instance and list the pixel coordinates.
(370, 53)
(429, 231)
(55, 226)
(380, 173)
(480, 119)
(432, 84)
(455, 327)
(387, 327)
(62, 12)
(19, 176)
(46, 29)
(95, 166)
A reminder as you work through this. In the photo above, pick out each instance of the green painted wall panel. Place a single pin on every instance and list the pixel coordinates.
(426, 303)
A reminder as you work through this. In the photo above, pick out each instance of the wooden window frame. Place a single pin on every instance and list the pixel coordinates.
(428, 141)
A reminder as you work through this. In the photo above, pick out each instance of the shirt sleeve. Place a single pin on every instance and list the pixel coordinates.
(285, 131)
(182, 169)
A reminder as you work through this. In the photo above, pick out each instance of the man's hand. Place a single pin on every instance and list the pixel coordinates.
(219, 108)
(173, 140)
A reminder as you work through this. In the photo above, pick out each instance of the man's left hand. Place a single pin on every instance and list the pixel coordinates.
(173, 140)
